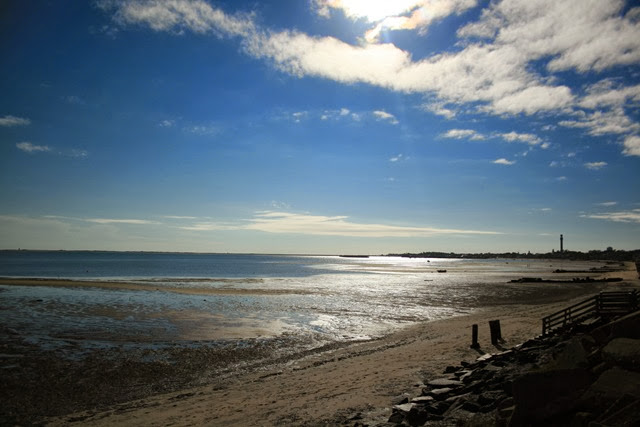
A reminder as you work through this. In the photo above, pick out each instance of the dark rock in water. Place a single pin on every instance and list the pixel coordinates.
(624, 352)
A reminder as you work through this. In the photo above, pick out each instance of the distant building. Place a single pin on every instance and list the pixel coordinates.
(561, 243)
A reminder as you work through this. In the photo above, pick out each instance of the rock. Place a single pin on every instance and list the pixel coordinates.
(421, 400)
(403, 408)
(400, 400)
(611, 386)
(417, 416)
(572, 356)
(624, 352)
(470, 406)
(439, 393)
(625, 327)
(444, 382)
(546, 394)
(490, 397)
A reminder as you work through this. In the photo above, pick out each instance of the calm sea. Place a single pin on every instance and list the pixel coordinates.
(320, 298)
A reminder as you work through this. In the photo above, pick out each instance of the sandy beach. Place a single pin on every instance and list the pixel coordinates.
(345, 383)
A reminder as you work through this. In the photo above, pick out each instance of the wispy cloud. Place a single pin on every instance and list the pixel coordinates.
(121, 221)
(492, 71)
(607, 204)
(284, 222)
(167, 123)
(463, 134)
(503, 161)
(397, 158)
(595, 165)
(383, 115)
(9, 121)
(526, 138)
(632, 145)
(632, 216)
(203, 130)
(30, 148)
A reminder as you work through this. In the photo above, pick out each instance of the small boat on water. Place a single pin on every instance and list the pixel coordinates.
(442, 271)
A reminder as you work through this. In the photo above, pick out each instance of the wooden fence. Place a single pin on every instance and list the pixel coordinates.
(602, 305)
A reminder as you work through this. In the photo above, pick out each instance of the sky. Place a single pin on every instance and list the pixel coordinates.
(320, 126)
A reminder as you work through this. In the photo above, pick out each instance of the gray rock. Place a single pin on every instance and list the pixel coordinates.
(444, 382)
(625, 327)
(440, 393)
(624, 352)
(421, 400)
(612, 385)
(546, 394)
(572, 356)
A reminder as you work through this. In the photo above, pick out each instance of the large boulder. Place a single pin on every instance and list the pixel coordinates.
(625, 327)
(612, 385)
(624, 352)
(544, 395)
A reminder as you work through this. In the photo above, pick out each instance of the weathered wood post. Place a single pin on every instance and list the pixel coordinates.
(474, 336)
(496, 334)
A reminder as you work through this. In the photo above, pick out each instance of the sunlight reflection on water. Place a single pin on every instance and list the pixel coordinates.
(361, 299)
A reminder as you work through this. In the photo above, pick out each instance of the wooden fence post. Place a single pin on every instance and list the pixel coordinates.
(474, 336)
(496, 334)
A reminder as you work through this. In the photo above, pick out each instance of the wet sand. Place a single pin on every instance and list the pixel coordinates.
(136, 286)
(261, 383)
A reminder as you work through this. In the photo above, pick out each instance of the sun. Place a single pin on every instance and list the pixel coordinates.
(374, 10)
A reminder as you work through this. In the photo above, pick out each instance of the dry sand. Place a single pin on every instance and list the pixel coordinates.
(330, 388)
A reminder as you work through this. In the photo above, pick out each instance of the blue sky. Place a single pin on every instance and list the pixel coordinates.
(320, 126)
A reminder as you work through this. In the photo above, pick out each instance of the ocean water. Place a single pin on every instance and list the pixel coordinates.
(223, 297)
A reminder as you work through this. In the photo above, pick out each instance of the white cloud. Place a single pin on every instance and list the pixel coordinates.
(396, 158)
(595, 165)
(527, 138)
(203, 130)
(284, 222)
(602, 122)
(394, 15)
(383, 115)
(167, 123)
(494, 74)
(440, 109)
(28, 147)
(178, 15)
(504, 161)
(632, 145)
(121, 221)
(607, 204)
(561, 178)
(463, 134)
(606, 93)
(8, 121)
(632, 216)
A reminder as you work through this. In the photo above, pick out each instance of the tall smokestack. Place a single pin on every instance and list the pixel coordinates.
(561, 246)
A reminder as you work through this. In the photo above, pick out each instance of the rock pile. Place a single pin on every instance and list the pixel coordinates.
(586, 377)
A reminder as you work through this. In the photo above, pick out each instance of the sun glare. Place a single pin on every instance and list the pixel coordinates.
(375, 10)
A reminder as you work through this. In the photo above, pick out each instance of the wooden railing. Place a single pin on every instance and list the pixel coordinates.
(602, 305)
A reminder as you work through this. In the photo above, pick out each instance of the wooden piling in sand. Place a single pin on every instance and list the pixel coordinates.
(474, 336)
(496, 334)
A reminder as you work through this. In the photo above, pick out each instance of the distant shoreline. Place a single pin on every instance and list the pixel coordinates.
(590, 255)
